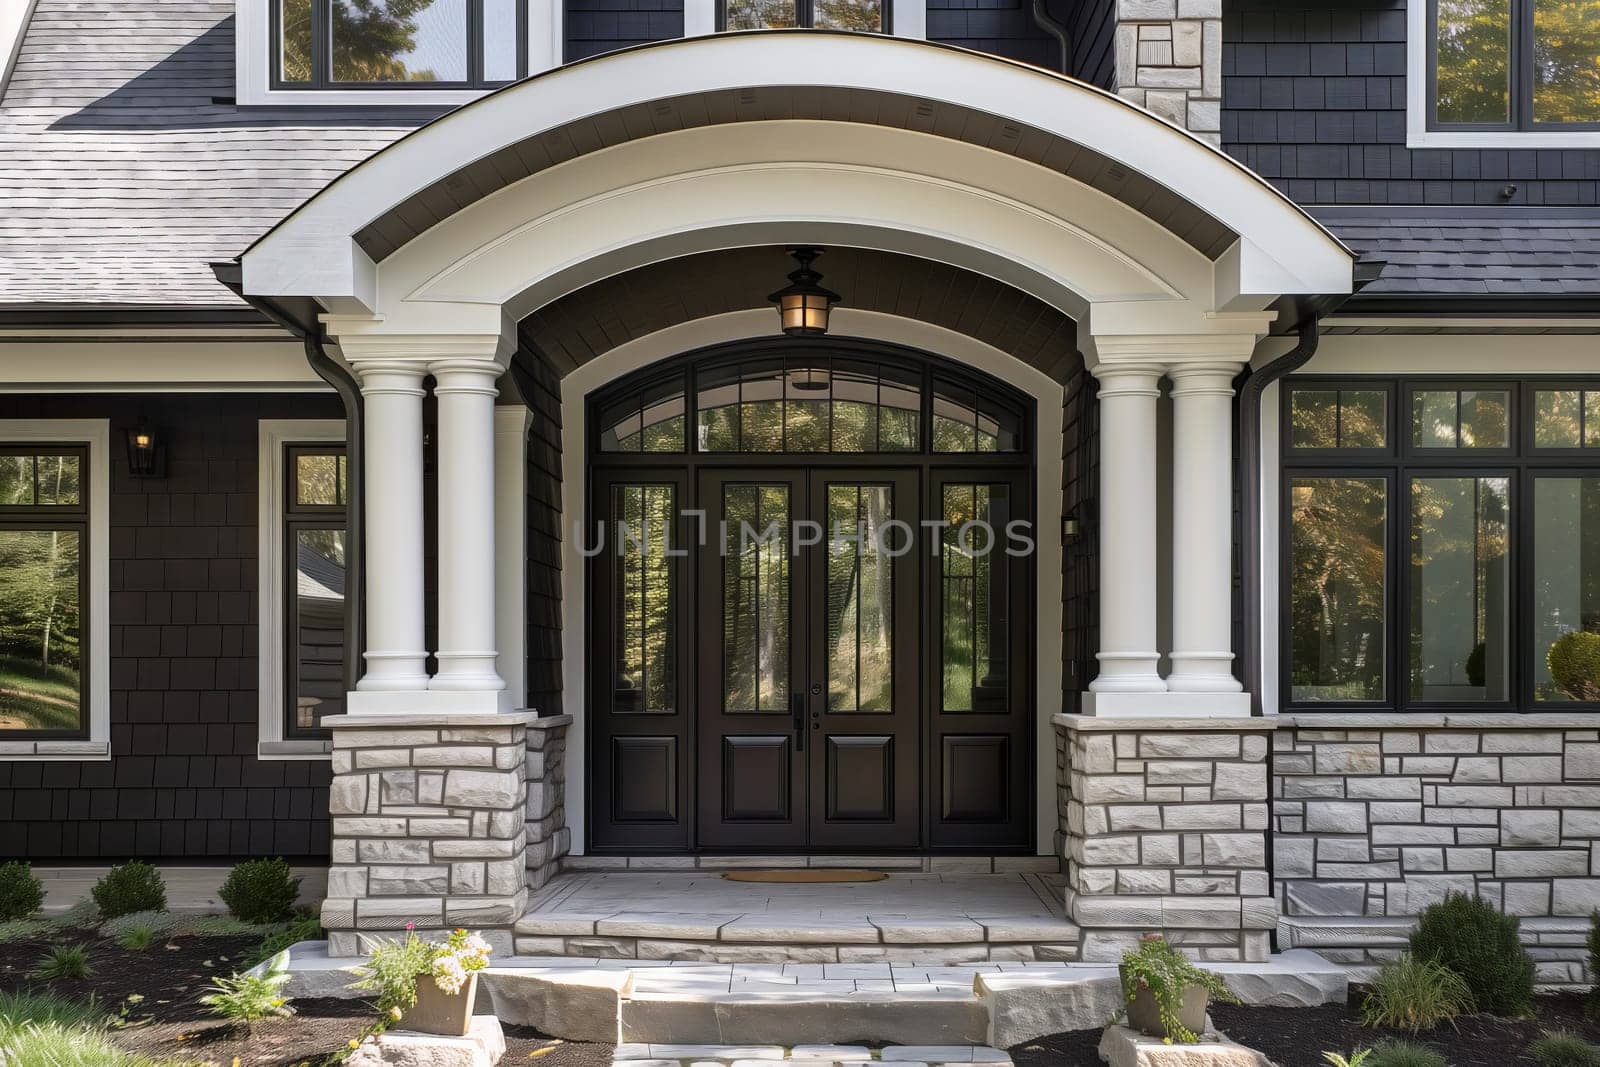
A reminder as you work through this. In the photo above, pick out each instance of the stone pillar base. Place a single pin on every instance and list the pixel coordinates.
(1165, 830)
(428, 826)
(549, 839)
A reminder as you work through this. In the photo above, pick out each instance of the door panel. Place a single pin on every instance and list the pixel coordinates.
(862, 626)
(751, 661)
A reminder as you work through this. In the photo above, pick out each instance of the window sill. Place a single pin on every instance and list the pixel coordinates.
(434, 98)
(1436, 720)
(1503, 139)
(293, 750)
(55, 750)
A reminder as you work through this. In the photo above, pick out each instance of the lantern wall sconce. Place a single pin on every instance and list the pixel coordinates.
(147, 452)
(803, 305)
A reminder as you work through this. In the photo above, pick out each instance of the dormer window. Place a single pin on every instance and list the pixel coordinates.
(397, 44)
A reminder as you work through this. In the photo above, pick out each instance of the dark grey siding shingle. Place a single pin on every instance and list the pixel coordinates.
(183, 780)
(596, 26)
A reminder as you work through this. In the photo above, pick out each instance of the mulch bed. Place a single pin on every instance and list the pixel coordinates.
(1297, 1037)
(169, 1023)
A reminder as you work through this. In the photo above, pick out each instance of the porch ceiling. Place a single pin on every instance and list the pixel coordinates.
(591, 321)
(476, 180)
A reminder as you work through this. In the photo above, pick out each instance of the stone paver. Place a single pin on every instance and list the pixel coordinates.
(650, 1055)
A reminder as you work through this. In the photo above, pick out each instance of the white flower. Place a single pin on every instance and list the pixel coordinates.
(448, 974)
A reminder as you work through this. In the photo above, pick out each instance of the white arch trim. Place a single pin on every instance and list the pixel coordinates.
(1281, 249)
(847, 322)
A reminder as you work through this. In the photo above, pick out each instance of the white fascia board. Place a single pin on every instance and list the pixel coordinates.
(322, 230)
(1248, 276)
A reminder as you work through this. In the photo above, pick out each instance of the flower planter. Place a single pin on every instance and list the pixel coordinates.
(438, 1012)
(1145, 1017)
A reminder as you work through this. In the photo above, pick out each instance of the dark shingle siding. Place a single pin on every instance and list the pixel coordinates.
(596, 26)
(183, 780)
(999, 27)
(1314, 100)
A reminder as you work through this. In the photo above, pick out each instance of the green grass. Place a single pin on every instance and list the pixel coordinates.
(45, 1030)
(41, 698)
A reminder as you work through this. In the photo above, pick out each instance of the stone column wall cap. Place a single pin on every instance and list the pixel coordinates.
(1467, 720)
(444, 721)
(1162, 724)
(550, 722)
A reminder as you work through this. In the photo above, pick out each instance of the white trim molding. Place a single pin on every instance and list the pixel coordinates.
(1417, 81)
(96, 434)
(272, 435)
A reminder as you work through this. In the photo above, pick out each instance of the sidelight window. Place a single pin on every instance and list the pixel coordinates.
(316, 542)
(1401, 572)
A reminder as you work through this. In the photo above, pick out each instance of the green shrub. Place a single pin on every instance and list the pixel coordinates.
(63, 961)
(1415, 994)
(134, 886)
(1563, 1049)
(1473, 939)
(260, 891)
(305, 928)
(1574, 661)
(1406, 1054)
(21, 892)
(249, 998)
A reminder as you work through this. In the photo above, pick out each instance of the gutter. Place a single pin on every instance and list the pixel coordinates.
(1055, 28)
(344, 383)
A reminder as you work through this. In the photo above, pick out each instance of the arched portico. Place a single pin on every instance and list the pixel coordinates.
(1162, 255)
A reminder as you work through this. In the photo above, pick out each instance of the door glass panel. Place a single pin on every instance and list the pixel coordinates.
(860, 599)
(755, 599)
(1472, 71)
(1566, 589)
(644, 653)
(1460, 589)
(972, 595)
(1566, 77)
(1337, 588)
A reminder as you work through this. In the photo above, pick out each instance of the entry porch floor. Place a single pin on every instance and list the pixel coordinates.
(915, 917)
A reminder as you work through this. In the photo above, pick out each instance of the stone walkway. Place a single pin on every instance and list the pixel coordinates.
(929, 917)
(640, 1055)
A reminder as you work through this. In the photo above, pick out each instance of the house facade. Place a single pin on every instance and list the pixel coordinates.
(461, 441)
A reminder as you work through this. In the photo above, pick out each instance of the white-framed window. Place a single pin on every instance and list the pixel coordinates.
(429, 53)
(301, 531)
(55, 589)
(1503, 73)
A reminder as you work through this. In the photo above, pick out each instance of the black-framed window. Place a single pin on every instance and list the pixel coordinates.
(398, 44)
(44, 575)
(1443, 554)
(315, 535)
(863, 16)
(1514, 64)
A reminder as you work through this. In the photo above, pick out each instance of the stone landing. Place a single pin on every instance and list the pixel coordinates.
(910, 916)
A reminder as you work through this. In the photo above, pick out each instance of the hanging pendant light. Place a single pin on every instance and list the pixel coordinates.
(803, 305)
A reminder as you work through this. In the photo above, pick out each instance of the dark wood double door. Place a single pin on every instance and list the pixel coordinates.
(807, 686)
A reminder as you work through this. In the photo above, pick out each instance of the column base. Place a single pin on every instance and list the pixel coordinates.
(1166, 705)
(437, 702)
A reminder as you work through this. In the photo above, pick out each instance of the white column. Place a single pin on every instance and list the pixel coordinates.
(1202, 528)
(396, 657)
(465, 390)
(511, 424)
(1127, 528)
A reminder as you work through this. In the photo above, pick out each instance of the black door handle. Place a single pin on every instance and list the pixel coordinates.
(797, 704)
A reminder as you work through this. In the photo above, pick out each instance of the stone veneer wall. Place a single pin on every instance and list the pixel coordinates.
(1169, 60)
(429, 827)
(549, 838)
(1164, 829)
(1375, 818)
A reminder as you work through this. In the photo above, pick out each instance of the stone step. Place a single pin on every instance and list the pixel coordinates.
(687, 1055)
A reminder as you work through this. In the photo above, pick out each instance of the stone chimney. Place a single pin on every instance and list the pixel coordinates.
(1169, 60)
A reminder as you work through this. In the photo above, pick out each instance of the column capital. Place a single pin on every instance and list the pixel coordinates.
(1204, 379)
(465, 375)
(1129, 379)
(396, 377)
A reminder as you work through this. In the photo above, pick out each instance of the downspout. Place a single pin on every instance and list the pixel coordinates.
(1055, 28)
(344, 383)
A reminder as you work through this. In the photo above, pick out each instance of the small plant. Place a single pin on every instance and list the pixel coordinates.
(248, 998)
(1592, 1008)
(137, 938)
(1339, 1059)
(1574, 661)
(1406, 1054)
(21, 892)
(42, 1006)
(1563, 1049)
(1469, 936)
(393, 968)
(63, 961)
(1157, 966)
(305, 928)
(133, 886)
(260, 891)
(1415, 994)
(159, 923)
